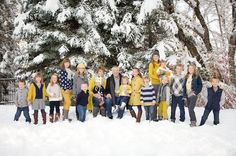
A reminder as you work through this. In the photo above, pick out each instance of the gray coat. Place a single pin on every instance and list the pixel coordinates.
(77, 81)
(21, 97)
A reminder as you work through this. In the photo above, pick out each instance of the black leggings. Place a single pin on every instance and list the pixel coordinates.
(54, 104)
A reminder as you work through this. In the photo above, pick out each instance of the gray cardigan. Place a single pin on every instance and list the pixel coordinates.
(21, 97)
(77, 81)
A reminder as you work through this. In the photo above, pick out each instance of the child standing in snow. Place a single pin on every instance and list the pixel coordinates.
(148, 98)
(55, 96)
(82, 102)
(136, 85)
(163, 98)
(176, 87)
(98, 98)
(37, 97)
(214, 99)
(21, 102)
(66, 84)
(192, 87)
(124, 94)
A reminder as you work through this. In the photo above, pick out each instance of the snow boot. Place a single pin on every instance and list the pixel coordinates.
(138, 119)
(57, 117)
(133, 114)
(44, 117)
(103, 111)
(193, 124)
(95, 111)
(51, 118)
(65, 117)
(35, 118)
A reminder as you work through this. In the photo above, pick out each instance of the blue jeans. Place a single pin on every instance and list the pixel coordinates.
(177, 100)
(108, 106)
(122, 99)
(206, 114)
(96, 102)
(149, 110)
(25, 112)
(82, 112)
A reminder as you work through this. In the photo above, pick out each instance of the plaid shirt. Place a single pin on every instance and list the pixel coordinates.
(177, 84)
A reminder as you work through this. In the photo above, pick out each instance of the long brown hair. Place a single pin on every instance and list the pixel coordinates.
(156, 52)
(195, 70)
(139, 73)
(64, 61)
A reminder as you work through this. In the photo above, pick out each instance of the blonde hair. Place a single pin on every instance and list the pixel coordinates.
(195, 70)
(125, 78)
(38, 74)
(51, 82)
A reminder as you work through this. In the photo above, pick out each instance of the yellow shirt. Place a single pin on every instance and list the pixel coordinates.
(189, 84)
(152, 73)
(125, 90)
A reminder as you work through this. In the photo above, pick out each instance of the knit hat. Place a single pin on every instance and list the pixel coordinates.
(81, 66)
(155, 52)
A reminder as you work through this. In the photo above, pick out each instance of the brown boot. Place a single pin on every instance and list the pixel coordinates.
(51, 118)
(133, 114)
(35, 118)
(44, 117)
(57, 117)
(138, 119)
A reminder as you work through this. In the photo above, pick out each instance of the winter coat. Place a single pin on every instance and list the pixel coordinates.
(110, 88)
(32, 93)
(136, 85)
(91, 87)
(196, 85)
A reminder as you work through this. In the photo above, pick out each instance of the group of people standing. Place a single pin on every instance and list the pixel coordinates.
(155, 91)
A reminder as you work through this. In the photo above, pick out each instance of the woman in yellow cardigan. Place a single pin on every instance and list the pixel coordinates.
(100, 74)
(154, 65)
(136, 85)
(36, 96)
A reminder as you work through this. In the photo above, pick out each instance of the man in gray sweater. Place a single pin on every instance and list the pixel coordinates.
(21, 102)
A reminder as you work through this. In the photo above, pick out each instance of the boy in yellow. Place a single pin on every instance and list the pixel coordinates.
(100, 74)
(136, 85)
(124, 94)
(152, 72)
(163, 98)
(36, 97)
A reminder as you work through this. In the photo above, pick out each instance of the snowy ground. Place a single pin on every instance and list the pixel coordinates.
(104, 137)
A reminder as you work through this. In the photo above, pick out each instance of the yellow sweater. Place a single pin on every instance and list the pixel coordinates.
(125, 90)
(152, 72)
(32, 93)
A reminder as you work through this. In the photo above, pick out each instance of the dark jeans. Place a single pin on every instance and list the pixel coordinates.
(149, 110)
(206, 113)
(191, 101)
(25, 111)
(177, 100)
(96, 102)
(108, 106)
(156, 87)
(122, 99)
(56, 105)
(82, 112)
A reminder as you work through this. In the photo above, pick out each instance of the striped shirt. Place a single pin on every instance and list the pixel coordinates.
(147, 94)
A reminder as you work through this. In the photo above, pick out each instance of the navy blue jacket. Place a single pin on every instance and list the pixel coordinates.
(82, 98)
(213, 98)
(196, 85)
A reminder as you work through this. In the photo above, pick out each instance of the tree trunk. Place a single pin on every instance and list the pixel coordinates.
(205, 36)
(232, 46)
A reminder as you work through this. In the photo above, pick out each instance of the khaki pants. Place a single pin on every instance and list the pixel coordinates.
(67, 94)
(162, 111)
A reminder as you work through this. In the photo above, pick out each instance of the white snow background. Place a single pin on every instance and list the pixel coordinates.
(104, 137)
